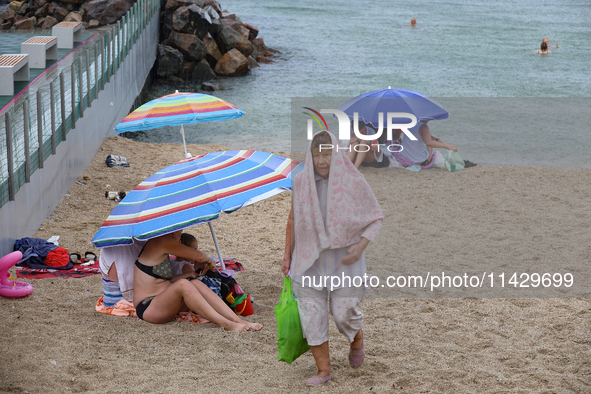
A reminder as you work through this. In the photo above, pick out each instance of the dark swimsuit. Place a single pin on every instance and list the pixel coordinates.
(160, 271)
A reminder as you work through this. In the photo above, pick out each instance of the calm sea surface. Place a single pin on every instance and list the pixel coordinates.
(507, 105)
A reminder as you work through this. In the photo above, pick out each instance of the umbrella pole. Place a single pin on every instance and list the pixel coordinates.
(217, 247)
(184, 144)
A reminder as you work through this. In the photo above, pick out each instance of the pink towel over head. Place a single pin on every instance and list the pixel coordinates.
(352, 210)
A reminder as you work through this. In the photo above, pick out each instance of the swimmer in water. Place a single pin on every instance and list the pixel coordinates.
(543, 49)
(547, 41)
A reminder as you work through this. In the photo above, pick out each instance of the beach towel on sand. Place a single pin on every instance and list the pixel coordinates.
(126, 308)
(404, 162)
(77, 271)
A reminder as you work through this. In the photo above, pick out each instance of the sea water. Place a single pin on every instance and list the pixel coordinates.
(507, 104)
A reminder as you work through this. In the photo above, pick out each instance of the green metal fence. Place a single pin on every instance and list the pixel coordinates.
(37, 124)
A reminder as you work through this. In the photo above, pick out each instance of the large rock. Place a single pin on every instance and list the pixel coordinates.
(262, 59)
(173, 5)
(252, 63)
(259, 45)
(253, 31)
(212, 12)
(58, 12)
(262, 49)
(49, 22)
(232, 63)
(73, 17)
(210, 87)
(39, 3)
(214, 4)
(231, 16)
(23, 9)
(211, 47)
(191, 20)
(186, 71)
(40, 22)
(243, 31)
(105, 12)
(7, 14)
(202, 71)
(229, 39)
(42, 11)
(15, 5)
(165, 26)
(93, 24)
(190, 46)
(170, 61)
(228, 22)
(25, 24)
(215, 27)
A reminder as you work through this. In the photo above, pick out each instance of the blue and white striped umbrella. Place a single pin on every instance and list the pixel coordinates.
(193, 191)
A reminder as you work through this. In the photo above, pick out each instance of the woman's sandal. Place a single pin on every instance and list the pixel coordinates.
(89, 256)
(356, 356)
(318, 380)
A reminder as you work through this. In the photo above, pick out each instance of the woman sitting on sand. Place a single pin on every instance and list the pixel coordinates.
(158, 296)
(420, 151)
(335, 215)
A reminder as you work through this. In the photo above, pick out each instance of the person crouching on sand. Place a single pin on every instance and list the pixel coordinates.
(329, 185)
(158, 296)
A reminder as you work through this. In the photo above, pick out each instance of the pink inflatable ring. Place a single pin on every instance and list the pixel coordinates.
(9, 288)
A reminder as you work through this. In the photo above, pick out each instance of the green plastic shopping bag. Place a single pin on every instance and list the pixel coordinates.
(453, 161)
(291, 343)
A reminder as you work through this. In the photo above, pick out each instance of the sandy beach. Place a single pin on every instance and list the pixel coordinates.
(506, 218)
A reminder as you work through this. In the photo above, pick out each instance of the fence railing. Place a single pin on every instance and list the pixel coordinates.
(39, 121)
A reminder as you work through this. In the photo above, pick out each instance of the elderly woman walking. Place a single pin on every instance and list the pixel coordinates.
(334, 216)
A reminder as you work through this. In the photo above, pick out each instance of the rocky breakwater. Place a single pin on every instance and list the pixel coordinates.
(200, 41)
(28, 14)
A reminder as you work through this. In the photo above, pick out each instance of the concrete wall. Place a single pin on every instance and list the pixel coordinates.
(35, 201)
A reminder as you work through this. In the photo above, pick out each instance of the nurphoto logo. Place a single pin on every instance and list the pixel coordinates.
(345, 127)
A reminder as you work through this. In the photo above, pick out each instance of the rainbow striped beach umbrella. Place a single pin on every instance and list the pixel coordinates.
(178, 109)
(194, 191)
